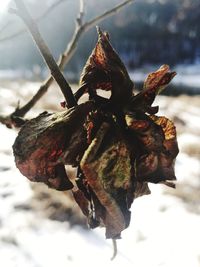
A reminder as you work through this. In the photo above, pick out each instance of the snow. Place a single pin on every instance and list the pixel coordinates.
(163, 231)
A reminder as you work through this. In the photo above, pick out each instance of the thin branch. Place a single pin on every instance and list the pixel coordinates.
(81, 10)
(106, 14)
(63, 60)
(70, 50)
(114, 241)
(23, 30)
(45, 52)
(80, 29)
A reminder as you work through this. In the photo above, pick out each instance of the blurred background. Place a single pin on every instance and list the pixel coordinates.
(40, 227)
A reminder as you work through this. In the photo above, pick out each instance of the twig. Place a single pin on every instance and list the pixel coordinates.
(45, 52)
(114, 249)
(81, 12)
(70, 50)
(106, 14)
(80, 29)
(23, 30)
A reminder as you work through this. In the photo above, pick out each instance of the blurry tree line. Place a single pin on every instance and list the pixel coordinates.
(146, 32)
(161, 31)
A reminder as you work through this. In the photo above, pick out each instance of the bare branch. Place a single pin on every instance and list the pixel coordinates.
(80, 29)
(23, 30)
(81, 6)
(81, 12)
(70, 50)
(45, 52)
(64, 58)
(106, 14)
(114, 241)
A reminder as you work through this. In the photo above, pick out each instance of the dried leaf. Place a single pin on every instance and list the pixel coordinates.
(105, 70)
(82, 201)
(169, 130)
(158, 80)
(107, 168)
(48, 142)
(153, 85)
(157, 148)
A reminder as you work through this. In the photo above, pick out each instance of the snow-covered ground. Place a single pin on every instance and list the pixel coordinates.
(165, 226)
(188, 75)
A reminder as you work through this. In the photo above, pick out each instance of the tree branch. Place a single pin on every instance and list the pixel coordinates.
(80, 29)
(45, 52)
(23, 30)
(81, 12)
(106, 14)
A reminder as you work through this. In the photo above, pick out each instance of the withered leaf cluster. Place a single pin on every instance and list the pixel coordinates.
(118, 144)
